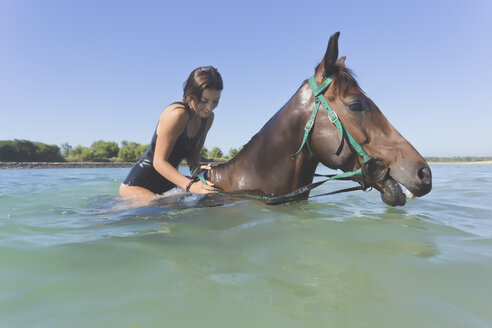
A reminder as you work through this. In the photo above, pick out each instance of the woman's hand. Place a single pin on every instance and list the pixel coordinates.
(199, 187)
(206, 167)
(201, 168)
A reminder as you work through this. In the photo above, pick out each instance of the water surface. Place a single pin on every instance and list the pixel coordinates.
(71, 255)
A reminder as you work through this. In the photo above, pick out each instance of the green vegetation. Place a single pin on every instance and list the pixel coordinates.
(233, 152)
(108, 151)
(28, 151)
(131, 151)
(100, 151)
(216, 154)
(204, 154)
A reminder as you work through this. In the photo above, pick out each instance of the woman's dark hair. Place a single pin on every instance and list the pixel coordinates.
(201, 78)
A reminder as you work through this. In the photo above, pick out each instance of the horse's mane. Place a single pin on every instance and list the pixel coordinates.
(344, 79)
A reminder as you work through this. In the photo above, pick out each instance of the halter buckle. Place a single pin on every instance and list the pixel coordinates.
(335, 118)
(309, 125)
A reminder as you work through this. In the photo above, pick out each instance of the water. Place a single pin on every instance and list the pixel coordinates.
(71, 256)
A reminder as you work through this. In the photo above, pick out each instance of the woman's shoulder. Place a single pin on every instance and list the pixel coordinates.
(173, 119)
(178, 105)
(177, 108)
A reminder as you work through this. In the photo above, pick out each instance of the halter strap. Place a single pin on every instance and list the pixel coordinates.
(321, 100)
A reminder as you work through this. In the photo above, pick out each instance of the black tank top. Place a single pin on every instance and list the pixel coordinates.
(143, 174)
(184, 144)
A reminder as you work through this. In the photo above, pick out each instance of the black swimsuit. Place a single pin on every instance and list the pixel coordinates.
(143, 174)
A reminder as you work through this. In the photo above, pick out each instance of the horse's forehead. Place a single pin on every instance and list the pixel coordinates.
(305, 93)
(345, 92)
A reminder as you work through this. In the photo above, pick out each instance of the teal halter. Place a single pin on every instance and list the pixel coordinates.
(321, 100)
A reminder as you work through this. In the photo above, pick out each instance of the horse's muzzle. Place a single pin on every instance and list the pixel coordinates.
(378, 175)
(423, 181)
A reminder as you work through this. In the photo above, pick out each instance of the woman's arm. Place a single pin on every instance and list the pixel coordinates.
(171, 125)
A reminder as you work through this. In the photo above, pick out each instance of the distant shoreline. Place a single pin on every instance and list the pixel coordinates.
(465, 163)
(80, 165)
(62, 165)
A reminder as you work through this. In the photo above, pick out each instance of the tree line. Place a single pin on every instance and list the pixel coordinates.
(109, 151)
(100, 151)
(28, 151)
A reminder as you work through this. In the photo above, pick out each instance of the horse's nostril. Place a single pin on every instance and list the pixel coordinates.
(424, 175)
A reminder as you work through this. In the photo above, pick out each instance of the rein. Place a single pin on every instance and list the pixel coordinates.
(272, 200)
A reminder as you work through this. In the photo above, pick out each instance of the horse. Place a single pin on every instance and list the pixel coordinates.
(282, 157)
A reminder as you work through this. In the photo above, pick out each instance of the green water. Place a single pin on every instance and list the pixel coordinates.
(71, 256)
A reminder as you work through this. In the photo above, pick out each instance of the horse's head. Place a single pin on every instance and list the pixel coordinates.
(394, 161)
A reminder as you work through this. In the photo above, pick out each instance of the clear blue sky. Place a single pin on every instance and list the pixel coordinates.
(81, 71)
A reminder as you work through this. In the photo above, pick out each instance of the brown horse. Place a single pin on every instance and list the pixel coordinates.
(266, 165)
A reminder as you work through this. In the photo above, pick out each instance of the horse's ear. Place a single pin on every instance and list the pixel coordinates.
(328, 65)
(341, 61)
(331, 55)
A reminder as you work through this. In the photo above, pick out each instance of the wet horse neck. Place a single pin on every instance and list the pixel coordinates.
(265, 165)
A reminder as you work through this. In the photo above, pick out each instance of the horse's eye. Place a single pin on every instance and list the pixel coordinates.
(356, 106)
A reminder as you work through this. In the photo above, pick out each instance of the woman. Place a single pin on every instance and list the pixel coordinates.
(180, 134)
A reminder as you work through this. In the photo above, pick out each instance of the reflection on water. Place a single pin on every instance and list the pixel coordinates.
(73, 254)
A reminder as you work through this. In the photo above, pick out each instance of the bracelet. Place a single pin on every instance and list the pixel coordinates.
(188, 186)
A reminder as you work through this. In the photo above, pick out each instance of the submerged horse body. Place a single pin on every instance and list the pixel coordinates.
(267, 164)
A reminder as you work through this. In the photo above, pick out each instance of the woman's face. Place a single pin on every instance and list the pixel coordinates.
(207, 103)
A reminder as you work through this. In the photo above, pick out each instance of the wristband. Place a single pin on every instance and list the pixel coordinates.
(188, 186)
